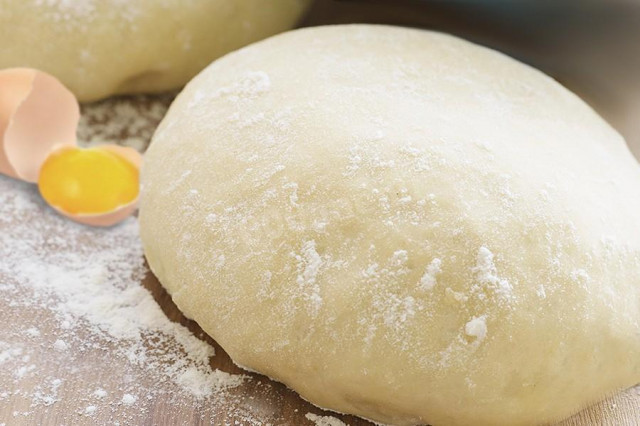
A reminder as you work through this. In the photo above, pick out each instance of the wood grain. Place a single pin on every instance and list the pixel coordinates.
(597, 64)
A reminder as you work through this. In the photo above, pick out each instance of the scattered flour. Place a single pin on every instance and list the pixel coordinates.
(428, 280)
(32, 332)
(399, 258)
(68, 9)
(82, 13)
(325, 420)
(130, 121)
(250, 85)
(8, 352)
(100, 393)
(60, 345)
(73, 298)
(477, 328)
(309, 265)
(398, 310)
(129, 399)
(89, 280)
(46, 394)
(486, 274)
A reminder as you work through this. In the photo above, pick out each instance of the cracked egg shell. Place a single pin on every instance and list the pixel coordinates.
(37, 116)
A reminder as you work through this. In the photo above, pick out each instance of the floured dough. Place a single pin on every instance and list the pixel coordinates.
(99, 48)
(401, 225)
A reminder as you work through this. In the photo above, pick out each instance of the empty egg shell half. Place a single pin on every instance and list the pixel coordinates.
(38, 115)
(96, 186)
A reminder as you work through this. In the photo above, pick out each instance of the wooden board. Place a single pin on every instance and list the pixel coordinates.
(259, 400)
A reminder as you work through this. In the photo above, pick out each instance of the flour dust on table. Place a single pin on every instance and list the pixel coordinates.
(81, 289)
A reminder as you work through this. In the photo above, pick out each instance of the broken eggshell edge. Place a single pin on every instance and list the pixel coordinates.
(38, 115)
(102, 219)
(129, 154)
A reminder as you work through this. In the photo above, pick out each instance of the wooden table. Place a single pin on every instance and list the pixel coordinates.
(573, 55)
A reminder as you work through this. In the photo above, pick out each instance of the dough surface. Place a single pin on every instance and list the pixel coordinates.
(400, 225)
(99, 48)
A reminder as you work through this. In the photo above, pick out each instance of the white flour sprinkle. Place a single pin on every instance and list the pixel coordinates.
(428, 280)
(32, 332)
(486, 273)
(325, 420)
(477, 328)
(399, 258)
(100, 393)
(67, 9)
(89, 280)
(309, 264)
(46, 395)
(129, 121)
(250, 85)
(129, 399)
(81, 287)
(397, 311)
(81, 13)
(8, 352)
(60, 345)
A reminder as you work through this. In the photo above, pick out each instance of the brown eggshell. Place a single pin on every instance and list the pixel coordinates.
(102, 219)
(129, 154)
(37, 115)
(14, 87)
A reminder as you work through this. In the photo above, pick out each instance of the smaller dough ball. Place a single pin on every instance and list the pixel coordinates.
(99, 48)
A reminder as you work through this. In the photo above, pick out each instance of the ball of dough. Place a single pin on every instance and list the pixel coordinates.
(400, 225)
(99, 48)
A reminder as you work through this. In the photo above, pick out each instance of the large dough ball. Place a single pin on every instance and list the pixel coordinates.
(104, 47)
(402, 225)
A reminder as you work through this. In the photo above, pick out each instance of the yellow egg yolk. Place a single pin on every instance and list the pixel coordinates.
(87, 181)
